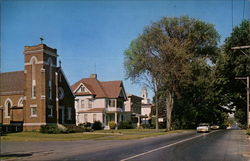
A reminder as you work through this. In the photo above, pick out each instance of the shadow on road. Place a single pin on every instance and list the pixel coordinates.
(16, 155)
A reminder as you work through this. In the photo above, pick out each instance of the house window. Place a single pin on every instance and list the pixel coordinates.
(112, 103)
(50, 111)
(7, 108)
(50, 90)
(77, 103)
(60, 93)
(82, 103)
(106, 102)
(85, 117)
(89, 103)
(82, 89)
(69, 113)
(94, 117)
(33, 112)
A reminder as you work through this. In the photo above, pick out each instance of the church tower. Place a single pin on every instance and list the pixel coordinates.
(144, 95)
(40, 86)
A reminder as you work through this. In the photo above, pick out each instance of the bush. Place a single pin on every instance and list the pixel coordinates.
(97, 125)
(248, 131)
(86, 124)
(51, 129)
(145, 126)
(148, 126)
(112, 125)
(125, 125)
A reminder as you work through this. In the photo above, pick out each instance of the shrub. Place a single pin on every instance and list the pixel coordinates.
(145, 126)
(112, 125)
(86, 124)
(125, 125)
(248, 131)
(87, 129)
(97, 125)
(50, 129)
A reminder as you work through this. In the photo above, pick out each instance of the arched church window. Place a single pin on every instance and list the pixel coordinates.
(20, 102)
(33, 62)
(8, 106)
(50, 77)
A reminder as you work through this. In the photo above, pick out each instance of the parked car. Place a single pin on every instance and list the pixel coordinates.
(214, 127)
(203, 127)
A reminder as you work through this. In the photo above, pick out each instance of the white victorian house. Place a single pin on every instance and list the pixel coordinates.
(99, 101)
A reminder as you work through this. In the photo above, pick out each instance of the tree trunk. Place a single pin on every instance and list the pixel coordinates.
(156, 114)
(169, 108)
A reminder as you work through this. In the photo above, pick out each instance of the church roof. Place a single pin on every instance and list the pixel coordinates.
(12, 82)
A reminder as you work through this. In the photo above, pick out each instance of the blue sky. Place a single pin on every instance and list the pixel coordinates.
(91, 36)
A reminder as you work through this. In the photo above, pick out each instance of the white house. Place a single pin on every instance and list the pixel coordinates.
(99, 101)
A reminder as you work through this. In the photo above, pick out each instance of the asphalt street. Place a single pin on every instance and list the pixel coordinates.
(221, 145)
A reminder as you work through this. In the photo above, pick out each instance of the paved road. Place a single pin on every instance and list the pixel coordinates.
(222, 145)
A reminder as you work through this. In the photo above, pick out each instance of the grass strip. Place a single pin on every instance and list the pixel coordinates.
(123, 134)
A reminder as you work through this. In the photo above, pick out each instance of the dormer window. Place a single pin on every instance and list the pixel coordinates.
(82, 89)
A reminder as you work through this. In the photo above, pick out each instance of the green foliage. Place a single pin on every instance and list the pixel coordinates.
(125, 125)
(168, 56)
(231, 64)
(240, 116)
(52, 129)
(112, 125)
(85, 124)
(97, 125)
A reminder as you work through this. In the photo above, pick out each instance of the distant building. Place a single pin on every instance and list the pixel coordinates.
(39, 95)
(145, 106)
(133, 109)
(99, 101)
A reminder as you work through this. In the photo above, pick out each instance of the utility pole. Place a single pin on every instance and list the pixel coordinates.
(248, 115)
(247, 78)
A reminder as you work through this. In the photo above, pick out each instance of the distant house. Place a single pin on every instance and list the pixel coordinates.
(99, 101)
(145, 106)
(39, 94)
(133, 109)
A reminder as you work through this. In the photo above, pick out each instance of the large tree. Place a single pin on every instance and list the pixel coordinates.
(233, 63)
(164, 52)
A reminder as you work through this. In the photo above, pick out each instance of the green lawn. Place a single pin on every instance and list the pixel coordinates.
(124, 134)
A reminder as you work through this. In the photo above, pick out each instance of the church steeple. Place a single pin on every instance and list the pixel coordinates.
(144, 95)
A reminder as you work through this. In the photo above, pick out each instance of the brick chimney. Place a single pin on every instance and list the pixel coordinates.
(93, 76)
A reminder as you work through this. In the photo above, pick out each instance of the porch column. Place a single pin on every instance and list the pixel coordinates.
(138, 121)
(116, 120)
(104, 120)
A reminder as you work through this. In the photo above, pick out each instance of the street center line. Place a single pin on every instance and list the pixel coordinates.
(166, 146)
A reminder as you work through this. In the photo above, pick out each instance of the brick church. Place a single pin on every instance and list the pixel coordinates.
(39, 95)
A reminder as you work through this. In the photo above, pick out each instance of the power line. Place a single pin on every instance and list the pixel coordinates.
(232, 5)
(244, 5)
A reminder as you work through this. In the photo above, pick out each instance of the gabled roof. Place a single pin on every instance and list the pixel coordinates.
(112, 88)
(12, 82)
(109, 89)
